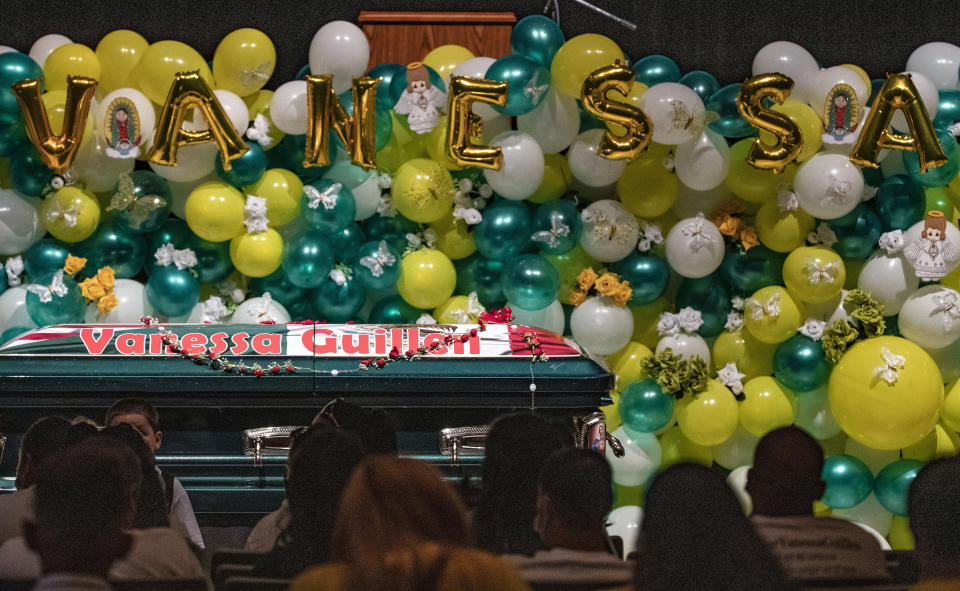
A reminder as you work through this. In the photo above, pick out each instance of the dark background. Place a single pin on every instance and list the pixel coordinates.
(720, 37)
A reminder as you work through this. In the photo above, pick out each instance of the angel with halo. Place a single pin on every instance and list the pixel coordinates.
(421, 100)
(930, 252)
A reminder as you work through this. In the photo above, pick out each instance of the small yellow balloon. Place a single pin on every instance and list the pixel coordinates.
(436, 145)
(119, 52)
(767, 405)
(68, 202)
(611, 412)
(633, 98)
(423, 191)
(645, 319)
(710, 417)
(454, 237)
(445, 58)
(72, 59)
(55, 102)
(886, 393)
(814, 274)
(860, 72)
(939, 443)
(282, 189)
(754, 184)
(772, 315)
(214, 212)
(900, 535)
(161, 62)
(951, 408)
(646, 188)
(427, 279)
(257, 255)
(556, 179)
(578, 58)
(675, 448)
(782, 231)
(752, 357)
(455, 310)
(244, 61)
(807, 120)
(258, 103)
(627, 364)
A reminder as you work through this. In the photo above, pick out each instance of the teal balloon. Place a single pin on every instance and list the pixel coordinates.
(528, 82)
(12, 136)
(383, 123)
(173, 230)
(900, 202)
(481, 275)
(213, 259)
(303, 72)
(644, 407)
(330, 219)
(557, 227)
(729, 124)
(152, 207)
(45, 256)
(857, 233)
(504, 231)
(29, 174)
(710, 297)
(893, 326)
(702, 83)
(386, 72)
(849, 482)
(289, 154)
(14, 67)
(941, 175)
(800, 364)
(872, 176)
(339, 303)
(530, 282)
(346, 243)
(172, 291)
(307, 259)
(379, 265)
(655, 69)
(351, 175)
(114, 246)
(948, 110)
(747, 271)
(245, 170)
(393, 310)
(66, 309)
(648, 275)
(538, 38)
(398, 83)
(392, 229)
(281, 289)
(3, 282)
(12, 333)
(892, 485)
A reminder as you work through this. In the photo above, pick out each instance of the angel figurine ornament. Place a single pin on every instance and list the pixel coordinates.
(932, 250)
(421, 100)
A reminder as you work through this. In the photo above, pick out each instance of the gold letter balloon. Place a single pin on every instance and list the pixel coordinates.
(463, 124)
(595, 101)
(324, 112)
(57, 151)
(788, 135)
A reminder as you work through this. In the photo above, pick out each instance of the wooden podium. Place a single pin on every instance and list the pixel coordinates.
(404, 37)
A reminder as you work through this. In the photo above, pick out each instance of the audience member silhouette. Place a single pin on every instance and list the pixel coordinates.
(933, 506)
(152, 510)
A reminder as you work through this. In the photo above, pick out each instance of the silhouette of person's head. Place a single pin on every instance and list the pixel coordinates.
(786, 477)
(152, 510)
(575, 495)
(933, 507)
(43, 438)
(377, 432)
(694, 536)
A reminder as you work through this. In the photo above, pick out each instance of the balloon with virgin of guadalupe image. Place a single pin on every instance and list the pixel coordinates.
(610, 232)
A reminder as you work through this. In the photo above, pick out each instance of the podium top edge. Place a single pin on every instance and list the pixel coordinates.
(466, 18)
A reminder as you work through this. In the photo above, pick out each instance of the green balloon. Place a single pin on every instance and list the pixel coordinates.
(849, 482)
(393, 310)
(893, 485)
(645, 407)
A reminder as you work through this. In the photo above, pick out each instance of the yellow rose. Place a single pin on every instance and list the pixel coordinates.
(91, 289)
(730, 226)
(107, 303)
(105, 277)
(586, 278)
(577, 296)
(623, 294)
(748, 237)
(73, 264)
(607, 284)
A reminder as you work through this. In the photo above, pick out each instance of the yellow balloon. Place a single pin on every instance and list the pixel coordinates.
(258, 103)
(70, 200)
(627, 364)
(710, 417)
(633, 98)
(951, 408)
(161, 61)
(753, 184)
(436, 145)
(72, 59)
(556, 179)
(883, 401)
(578, 58)
(814, 274)
(646, 188)
(900, 536)
(860, 72)
(454, 237)
(645, 319)
(807, 120)
(282, 189)
(568, 266)
(834, 446)
(772, 316)
(445, 58)
(427, 279)
(423, 191)
(752, 357)
(244, 61)
(257, 255)
(611, 412)
(119, 52)
(455, 310)
(214, 212)
(782, 231)
(768, 405)
(939, 443)
(55, 102)
(676, 448)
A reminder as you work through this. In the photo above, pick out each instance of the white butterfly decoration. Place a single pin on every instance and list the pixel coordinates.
(328, 196)
(822, 274)
(260, 131)
(68, 214)
(46, 292)
(837, 189)
(382, 258)
(557, 231)
(265, 300)
(760, 310)
(948, 304)
(695, 231)
(892, 364)
(533, 91)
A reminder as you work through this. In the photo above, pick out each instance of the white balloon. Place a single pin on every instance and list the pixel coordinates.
(938, 61)
(145, 115)
(20, 224)
(288, 107)
(694, 247)
(814, 415)
(477, 68)
(675, 111)
(600, 326)
(703, 162)
(588, 166)
(737, 450)
(827, 79)
(870, 513)
(495, 126)
(256, 310)
(233, 105)
(132, 305)
(927, 317)
(786, 57)
(640, 460)
(554, 123)
(953, 234)
(366, 193)
(690, 202)
(339, 48)
(889, 279)
(828, 186)
(193, 163)
(948, 360)
(610, 232)
(550, 318)
(737, 481)
(928, 93)
(13, 309)
(884, 544)
(624, 522)
(98, 170)
(523, 165)
(6, 49)
(685, 345)
(44, 46)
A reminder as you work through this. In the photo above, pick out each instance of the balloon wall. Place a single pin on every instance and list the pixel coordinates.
(755, 261)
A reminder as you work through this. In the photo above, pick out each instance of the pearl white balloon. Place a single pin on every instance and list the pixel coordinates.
(145, 114)
(586, 163)
(600, 326)
(550, 318)
(339, 48)
(676, 112)
(703, 162)
(694, 247)
(830, 77)
(233, 105)
(13, 309)
(953, 234)
(624, 522)
(737, 450)
(737, 481)
(98, 171)
(870, 513)
(44, 46)
(288, 107)
(523, 165)
(690, 202)
(927, 323)
(366, 192)
(785, 57)
(639, 462)
(928, 93)
(20, 224)
(477, 68)
(948, 360)
(554, 123)
(132, 305)
(6, 49)
(828, 186)
(610, 232)
(685, 345)
(889, 279)
(193, 163)
(938, 61)
(495, 126)
(814, 415)
(256, 310)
